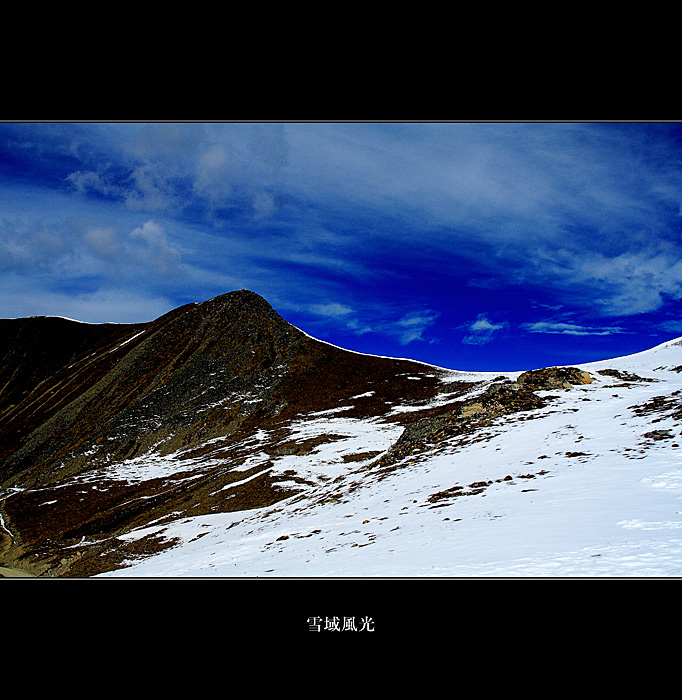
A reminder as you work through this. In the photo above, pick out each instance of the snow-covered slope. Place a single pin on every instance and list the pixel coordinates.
(589, 485)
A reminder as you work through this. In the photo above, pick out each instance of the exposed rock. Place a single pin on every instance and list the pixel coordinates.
(499, 399)
(659, 435)
(555, 378)
(627, 377)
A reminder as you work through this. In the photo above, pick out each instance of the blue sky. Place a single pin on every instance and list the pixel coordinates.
(474, 246)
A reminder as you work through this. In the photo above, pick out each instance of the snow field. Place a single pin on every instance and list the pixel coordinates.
(590, 496)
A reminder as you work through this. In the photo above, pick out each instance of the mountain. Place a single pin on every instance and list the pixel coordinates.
(220, 440)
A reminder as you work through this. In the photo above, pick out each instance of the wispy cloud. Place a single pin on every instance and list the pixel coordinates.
(332, 309)
(155, 250)
(79, 255)
(412, 326)
(560, 328)
(358, 328)
(405, 328)
(636, 281)
(482, 330)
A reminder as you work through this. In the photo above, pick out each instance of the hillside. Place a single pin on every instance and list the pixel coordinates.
(219, 440)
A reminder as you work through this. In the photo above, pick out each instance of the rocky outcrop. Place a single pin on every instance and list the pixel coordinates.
(550, 378)
(502, 397)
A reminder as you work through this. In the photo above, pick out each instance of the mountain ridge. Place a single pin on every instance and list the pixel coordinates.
(219, 407)
(201, 372)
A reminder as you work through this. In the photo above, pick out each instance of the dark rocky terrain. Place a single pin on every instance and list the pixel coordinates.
(79, 401)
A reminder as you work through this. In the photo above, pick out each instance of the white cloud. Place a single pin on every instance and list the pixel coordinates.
(212, 177)
(499, 192)
(407, 328)
(413, 325)
(103, 242)
(333, 309)
(357, 328)
(156, 252)
(481, 330)
(86, 182)
(151, 189)
(556, 327)
(632, 282)
(31, 247)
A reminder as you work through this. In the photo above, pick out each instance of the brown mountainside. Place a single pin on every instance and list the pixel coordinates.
(76, 398)
(211, 392)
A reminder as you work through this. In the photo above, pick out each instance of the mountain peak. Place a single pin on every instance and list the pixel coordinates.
(242, 296)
